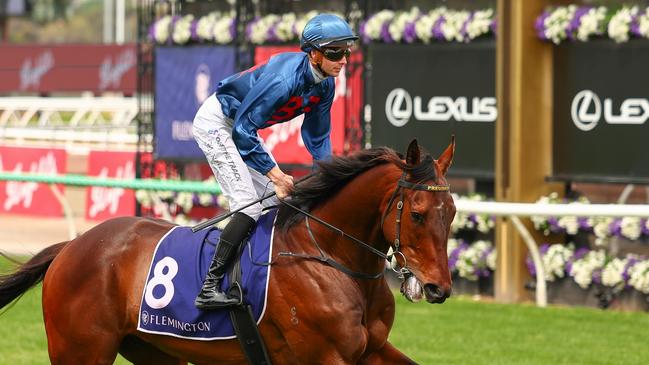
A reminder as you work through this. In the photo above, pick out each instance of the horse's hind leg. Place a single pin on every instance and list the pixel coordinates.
(89, 348)
(388, 354)
(140, 352)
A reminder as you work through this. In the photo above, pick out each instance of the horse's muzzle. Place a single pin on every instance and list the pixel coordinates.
(435, 294)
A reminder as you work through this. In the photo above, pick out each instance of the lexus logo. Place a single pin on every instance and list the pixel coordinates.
(587, 110)
(579, 110)
(400, 107)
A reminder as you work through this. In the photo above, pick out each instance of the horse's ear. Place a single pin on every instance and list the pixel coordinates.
(413, 155)
(446, 159)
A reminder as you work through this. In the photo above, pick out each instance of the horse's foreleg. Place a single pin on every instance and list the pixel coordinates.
(388, 354)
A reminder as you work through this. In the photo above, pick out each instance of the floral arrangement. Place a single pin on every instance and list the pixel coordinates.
(582, 23)
(275, 28)
(587, 267)
(483, 223)
(471, 261)
(216, 27)
(175, 206)
(603, 228)
(439, 24)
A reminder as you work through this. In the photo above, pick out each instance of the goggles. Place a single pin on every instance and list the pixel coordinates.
(335, 54)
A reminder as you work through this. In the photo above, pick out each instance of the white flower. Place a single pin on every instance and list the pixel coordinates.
(491, 260)
(375, 23)
(570, 224)
(452, 27)
(554, 261)
(424, 25)
(182, 29)
(612, 273)
(619, 25)
(591, 23)
(205, 199)
(161, 29)
(601, 229)
(643, 23)
(480, 23)
(398, 24)
(221, 30)
(144, 198)
(473, 259)
(205, 25)
(557, 22)
(582, 269)
(185, 200)
(222, 201)
(284, 29)
(639, 276)
(630, 227)
(259, 29)
(451, 245)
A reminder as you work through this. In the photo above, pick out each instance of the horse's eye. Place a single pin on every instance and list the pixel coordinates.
(416, 217)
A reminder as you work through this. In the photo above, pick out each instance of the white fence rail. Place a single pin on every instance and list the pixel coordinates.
(516, 210)
(69, 119)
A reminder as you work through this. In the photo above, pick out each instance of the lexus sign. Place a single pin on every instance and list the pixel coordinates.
(601, 113)
(436, 91)
(399, 108)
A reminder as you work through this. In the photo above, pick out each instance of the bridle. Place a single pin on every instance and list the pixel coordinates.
(402, 184)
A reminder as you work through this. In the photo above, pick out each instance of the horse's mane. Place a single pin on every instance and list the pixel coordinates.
(335, 173)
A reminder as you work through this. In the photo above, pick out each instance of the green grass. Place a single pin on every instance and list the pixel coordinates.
(460, 331)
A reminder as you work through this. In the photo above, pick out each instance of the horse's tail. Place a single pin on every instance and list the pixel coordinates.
(14, 285)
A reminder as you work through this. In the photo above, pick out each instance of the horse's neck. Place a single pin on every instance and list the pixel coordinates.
(356, 210)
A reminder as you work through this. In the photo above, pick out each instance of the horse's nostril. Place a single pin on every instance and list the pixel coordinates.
(435, 294)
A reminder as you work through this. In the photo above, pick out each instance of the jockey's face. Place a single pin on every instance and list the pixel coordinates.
(331, 60)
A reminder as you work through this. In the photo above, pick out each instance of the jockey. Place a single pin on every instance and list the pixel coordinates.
(226, 125)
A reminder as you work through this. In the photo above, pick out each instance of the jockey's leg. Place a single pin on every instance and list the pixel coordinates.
(233, 235)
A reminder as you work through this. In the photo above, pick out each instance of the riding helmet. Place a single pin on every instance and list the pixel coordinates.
(326, 30)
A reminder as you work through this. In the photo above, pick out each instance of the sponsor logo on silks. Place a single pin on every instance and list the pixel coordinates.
(110, 73)
(586, 111)
(293, 107)
(23, 192)
(145, 317)
(400, 107)
(31, 72)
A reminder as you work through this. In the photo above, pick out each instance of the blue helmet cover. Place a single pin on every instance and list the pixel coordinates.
(326, 30)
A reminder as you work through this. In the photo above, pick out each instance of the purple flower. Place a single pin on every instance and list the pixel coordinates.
(361, 30)
(539, 25)
(437, 28)
(385, 33)
(494, 26)
(615, 228)
(575, 22)
(463, 31)
(629, 264)
(635, 25)
(543, 249)
(455, 255)
(583, 224)
(233, 28)
(409, 33)
(272, 33)
(193, 29)
(578, 255)
(249, 27)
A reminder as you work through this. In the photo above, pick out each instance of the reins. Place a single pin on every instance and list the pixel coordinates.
(402, 184)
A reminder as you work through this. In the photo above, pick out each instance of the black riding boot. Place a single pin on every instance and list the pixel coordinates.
(234, 233)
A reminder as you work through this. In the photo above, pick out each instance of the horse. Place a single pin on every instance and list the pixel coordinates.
(369, 203)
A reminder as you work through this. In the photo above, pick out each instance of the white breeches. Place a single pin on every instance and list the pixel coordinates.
(240, 184)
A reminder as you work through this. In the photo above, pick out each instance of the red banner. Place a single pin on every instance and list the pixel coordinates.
(45, 69)
(101, 202)
(29, 197)
(284, 140)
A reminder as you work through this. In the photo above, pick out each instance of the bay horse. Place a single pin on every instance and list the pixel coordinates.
(316, 313)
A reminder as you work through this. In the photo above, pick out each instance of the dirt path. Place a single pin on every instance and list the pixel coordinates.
(26, 235)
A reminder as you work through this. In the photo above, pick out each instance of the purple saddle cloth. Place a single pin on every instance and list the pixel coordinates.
(176, 274)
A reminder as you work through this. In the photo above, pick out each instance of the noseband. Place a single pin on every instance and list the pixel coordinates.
(402, 184)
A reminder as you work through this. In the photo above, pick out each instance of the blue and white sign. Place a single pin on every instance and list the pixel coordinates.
(184, 78)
